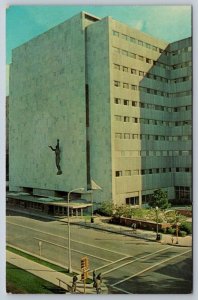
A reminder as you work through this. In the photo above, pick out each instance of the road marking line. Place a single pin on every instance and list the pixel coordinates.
(139, 258)
(151, 267)
(64, 247)
(40, 231)
(119, 289)
(114, 262)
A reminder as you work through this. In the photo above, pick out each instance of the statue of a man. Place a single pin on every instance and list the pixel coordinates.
(57, 153)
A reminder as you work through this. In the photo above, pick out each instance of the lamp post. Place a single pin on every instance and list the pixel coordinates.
(157, 209)
(177, 232)
(69, 233)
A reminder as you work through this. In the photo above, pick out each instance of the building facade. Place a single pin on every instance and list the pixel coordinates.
(118, 100)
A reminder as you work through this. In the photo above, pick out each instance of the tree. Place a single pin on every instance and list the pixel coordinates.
(106, 208)
(159, 199)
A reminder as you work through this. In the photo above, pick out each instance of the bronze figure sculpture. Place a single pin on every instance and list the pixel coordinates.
(57, 154)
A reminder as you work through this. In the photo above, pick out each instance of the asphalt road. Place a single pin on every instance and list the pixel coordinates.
(127, 264)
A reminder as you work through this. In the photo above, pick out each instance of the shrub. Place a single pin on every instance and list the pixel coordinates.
(182, 233)
(106, 209)
(186, 226)
(163, 230)
(171, 230)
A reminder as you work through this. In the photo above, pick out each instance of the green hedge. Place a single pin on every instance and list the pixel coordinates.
(171, 230)
(186, 226)
(182, 233)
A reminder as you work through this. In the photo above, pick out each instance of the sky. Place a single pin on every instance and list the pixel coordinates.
(169, 23)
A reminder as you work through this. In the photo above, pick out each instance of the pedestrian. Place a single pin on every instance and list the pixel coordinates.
(94, 278)
(172, 240)
(98, 286)
(75, 279)
(133, 226)
(99, 277)
(98, 283)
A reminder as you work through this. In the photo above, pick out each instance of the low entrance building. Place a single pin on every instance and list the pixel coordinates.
(47, 205)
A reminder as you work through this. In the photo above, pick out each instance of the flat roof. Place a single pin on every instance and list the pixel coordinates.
(55, 201)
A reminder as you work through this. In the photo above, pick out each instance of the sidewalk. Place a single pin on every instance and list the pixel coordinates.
(101, 223)
(59, 279)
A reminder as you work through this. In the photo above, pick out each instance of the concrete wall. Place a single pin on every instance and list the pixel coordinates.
(47, 102)
(99, 131)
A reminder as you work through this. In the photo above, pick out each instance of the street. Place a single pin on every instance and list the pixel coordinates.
(127, 264)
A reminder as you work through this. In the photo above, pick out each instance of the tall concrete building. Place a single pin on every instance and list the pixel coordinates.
(118, 100)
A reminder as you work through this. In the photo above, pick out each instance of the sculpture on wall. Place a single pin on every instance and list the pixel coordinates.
(57, 154)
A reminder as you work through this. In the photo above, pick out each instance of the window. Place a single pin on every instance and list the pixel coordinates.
(148, 46)
(146, 198)
(125, 69)
(132, 200)
(124, 52)
(116, 83)
(154, 48)
(133, 40)
(135, 136)
(116, 50)
(126, 119)
(118, 118)
(125, 85)
(133, 71)
(140, 57)
(115, 33)
(134, 103)
(140, 43)
(128, 173)
(117, 100)
(185, 153)
(142, 172)
(148, 61)
(135, 172)
(174, 53)
(118, 135)
(126, 135)
(124, 36)
(134, 87)
(132, 55)
(135, 120)
(141, 73)
(117, 67)
(118, 173)
(176, 153)
(182, 193)
(126, 102)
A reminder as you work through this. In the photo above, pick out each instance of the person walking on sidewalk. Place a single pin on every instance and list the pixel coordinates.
(94, 278)
(98, 283)
(75, 279)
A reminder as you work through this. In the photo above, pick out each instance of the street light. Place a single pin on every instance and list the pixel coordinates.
(177, 232)
(69, 234)
(157, 209)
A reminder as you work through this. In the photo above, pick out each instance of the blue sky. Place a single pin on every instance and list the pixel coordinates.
(169, 23)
